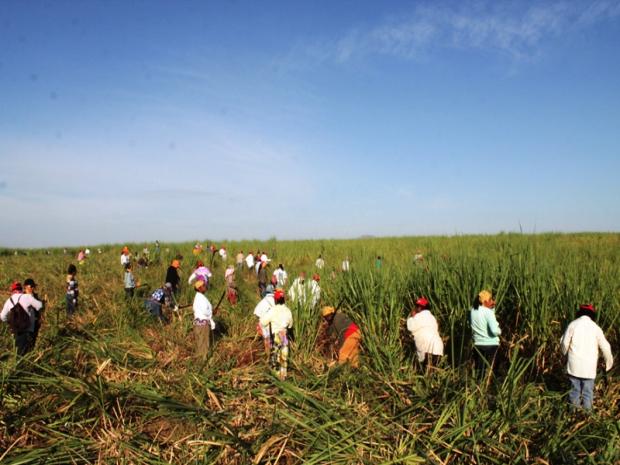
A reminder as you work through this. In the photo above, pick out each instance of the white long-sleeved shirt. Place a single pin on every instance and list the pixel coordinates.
(202, 307)
(280, 317)
(581, 341)
(27, 301)
(124, 259)
(281, 277)
(264, 306)
(425, 331)
(249, 260)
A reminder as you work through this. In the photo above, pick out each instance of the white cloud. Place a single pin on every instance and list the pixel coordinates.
(505, 27)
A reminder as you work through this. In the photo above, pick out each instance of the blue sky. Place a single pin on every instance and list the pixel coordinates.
(143, 120)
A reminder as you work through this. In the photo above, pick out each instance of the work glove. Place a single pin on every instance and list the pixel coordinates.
(176, 308)
(212, 325)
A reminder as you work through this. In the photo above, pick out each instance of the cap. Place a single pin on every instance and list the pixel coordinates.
(30, 282)
(484, 296)
(199, 264)
(278, 294)
(328, 311)
(269, 289)
(422, 302)
(176, 263)
(16, 286)
(588, 307)
(316, 277)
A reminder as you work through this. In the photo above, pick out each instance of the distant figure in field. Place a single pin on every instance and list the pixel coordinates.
(485, 332)
(130, 282)
(239, 261)
(81, 257)
(125, 256)
(263, 307)
(203, 320)
(223, 254)
(581, 342)
(281, 276)
(297, 291)
(425, 332)
(200, 273)
(197, 250)
(345, 333)
(315, 290)
(173, 277)
(319, 263)
(249, 260)
(378, 262)
(262, 278)
(345, 264)
(20, 312)
(231, 286)
(30, 288)
(280, 322)
(159, 298)
(72, 291)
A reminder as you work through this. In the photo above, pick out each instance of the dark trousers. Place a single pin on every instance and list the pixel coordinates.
(71, 305)
(484, 357)
(129, 292)
(24, 342)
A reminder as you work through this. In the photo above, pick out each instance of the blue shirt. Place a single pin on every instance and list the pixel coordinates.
(484, 326)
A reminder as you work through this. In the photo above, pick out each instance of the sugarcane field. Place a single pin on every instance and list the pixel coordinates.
(109, 381)
(349, 232)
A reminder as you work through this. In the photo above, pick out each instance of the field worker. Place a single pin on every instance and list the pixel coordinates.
(22, 328)
(125, 256)
(485, 332)
(159, 298)
(263, 307)
(581, 342)
(203, 320)
(297, 291)
(130, 282)
(72, 291)
(223, 254)
(346, 265)
(346, 334)
(315, 290)
(378, 262)
(231, 286)
(81, 256)
(264, 258)
(249, 261)
(319, 263)
(197, 250)
(30, 288)
(172, 275)
(201, 272)
(423, 327)
(87, 252)
(239, 261)
(280, 321)
(262, 278)
(281, 276)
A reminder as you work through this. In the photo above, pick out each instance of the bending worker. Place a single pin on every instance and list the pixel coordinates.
(423, 327)
(346, 333)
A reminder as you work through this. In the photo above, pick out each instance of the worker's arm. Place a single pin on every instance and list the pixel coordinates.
(606, 349)
(493, 325)
(566, 339)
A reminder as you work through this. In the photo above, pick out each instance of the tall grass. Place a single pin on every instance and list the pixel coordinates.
(115, 386)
